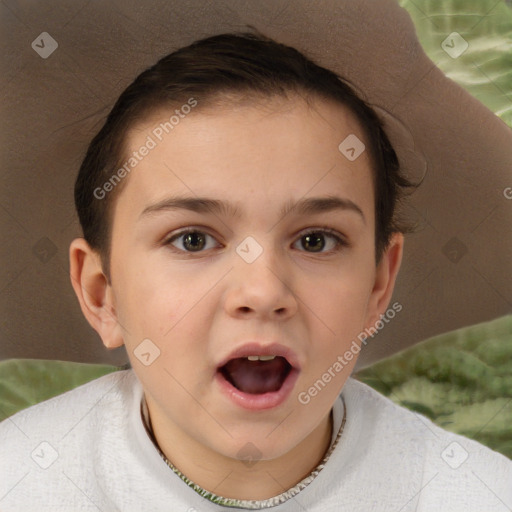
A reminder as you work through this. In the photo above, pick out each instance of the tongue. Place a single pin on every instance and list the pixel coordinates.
(256, 377)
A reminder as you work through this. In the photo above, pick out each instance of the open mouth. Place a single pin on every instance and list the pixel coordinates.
(256, 375)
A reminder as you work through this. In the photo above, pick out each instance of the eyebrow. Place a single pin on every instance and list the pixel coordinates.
(308, 206)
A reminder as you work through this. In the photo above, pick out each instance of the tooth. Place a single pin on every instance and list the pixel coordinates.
(261, 358)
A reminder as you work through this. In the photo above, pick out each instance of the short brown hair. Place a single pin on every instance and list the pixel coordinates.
(245, 63)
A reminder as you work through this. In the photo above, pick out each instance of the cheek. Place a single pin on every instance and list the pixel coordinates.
(336, 313)
(163, 304)
(339, 298)
(147, 301)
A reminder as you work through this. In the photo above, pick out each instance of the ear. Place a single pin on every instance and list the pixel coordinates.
(94, 293)
(385, 277)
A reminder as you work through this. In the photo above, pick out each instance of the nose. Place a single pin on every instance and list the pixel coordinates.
(262, 289)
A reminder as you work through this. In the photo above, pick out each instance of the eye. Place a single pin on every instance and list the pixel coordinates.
(314, 241)
(191, 240)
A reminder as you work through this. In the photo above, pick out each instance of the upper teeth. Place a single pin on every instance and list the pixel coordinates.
(261, 358)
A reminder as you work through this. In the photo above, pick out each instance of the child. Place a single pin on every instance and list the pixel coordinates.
(239, 211)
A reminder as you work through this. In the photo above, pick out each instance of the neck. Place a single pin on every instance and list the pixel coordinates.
(235, 479)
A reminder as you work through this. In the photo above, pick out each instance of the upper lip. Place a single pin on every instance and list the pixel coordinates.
(261, 349)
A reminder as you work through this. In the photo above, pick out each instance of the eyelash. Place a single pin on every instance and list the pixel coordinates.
(341, 243)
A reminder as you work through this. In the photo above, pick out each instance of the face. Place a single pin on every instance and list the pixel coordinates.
(199, 288)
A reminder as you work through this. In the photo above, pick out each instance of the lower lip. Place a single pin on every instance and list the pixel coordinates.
(260, 402)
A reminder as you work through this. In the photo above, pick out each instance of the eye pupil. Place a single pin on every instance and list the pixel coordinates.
(314, 241)
(191, 239)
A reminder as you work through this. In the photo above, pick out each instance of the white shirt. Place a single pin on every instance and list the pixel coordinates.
(88, 450)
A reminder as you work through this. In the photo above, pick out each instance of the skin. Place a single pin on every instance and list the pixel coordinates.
(197, 307)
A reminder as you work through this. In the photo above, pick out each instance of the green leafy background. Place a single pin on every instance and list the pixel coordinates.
(485, 68)
(462, 380)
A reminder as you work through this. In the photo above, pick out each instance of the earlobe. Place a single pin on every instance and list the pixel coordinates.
(94, 293)
(385, 278)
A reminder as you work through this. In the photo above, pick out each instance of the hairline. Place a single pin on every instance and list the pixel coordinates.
(225, 100)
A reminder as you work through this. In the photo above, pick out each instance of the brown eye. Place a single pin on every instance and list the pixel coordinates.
(189, 240)
(315, 241)
(194, 241)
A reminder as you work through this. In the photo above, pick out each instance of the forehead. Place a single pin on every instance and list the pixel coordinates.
(251, 154)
